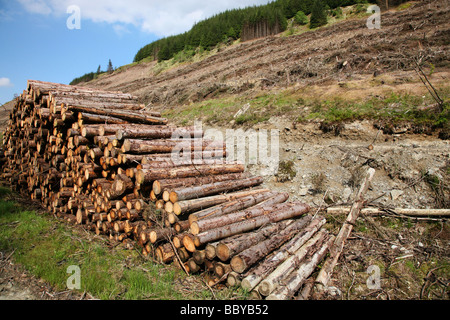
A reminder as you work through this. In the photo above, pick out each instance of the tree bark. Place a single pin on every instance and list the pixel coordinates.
(165, 184)
(149, 175)
(229, 247)
(289, 264)
(140, 146)
(270, 262)
(191, 205)
(298, 277)
(248, 257)
(203, 190)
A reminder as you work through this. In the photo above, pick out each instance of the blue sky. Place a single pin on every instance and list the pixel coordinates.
(35, 42)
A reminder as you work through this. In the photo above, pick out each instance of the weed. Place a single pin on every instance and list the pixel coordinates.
(286, 171)
(319, 182)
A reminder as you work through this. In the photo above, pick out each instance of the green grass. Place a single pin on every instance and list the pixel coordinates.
(46, 247)
(393, 108)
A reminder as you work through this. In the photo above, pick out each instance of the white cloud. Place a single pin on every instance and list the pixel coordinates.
(163, 18)
(5, 82)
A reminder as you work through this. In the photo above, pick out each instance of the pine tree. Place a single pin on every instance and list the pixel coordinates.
(318, 15)
(110, 67)
(99, 70)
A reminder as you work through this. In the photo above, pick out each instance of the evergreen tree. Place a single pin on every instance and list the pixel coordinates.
(318, 15)
(99, 70)
(110, 67)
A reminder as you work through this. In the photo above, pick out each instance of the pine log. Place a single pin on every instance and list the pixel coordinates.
(398, 211)
(215, 218)
(298, 277)
(229, 247)
(140, 146)
(160, 185)
(186, 193)
(266, 266)
(149, 175)
(294, 210)
(248, 257)
(274, 279)
(121, 114)
(185, 206)
(164, 132)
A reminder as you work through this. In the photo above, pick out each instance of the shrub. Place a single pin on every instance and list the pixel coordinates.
(301, 18)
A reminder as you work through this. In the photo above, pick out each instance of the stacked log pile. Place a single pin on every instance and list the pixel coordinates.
(101, 160)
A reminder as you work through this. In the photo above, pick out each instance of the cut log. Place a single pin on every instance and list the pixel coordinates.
(270, 262)
(245, 259)
(239, 204)
(271, 282)
(140, 146)
(298, 277)
(275, 203)
(294, 210)
(163, 132)
(186, 206)
(204, 190)
(125, 115)
(398, 211)
(229, 247)
(149, 175)
(160, 185)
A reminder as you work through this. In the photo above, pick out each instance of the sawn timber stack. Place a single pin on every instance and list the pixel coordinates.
(103, 161)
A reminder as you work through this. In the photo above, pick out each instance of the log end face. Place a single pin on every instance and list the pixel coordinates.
(222, 252)
(194, 228)
(237, 264)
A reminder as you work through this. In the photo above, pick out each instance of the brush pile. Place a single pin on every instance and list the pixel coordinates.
(101, 160)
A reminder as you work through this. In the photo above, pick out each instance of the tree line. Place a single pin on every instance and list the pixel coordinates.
(93, 75)
(255, 21)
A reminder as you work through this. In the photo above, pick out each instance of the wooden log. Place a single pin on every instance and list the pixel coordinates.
(294, 210)
(218, 220)
(161, 234)
(398, 211)
(125, 115)
(186, 193)
(229, 247)
(270, 262)
(165, 253)
(140, 146)
(238, 204)
(245, 259)
(298, 277)
(276, 277)
(149, 175)
(160, 185)
(186, 206)
(163, 132)
(344, 232)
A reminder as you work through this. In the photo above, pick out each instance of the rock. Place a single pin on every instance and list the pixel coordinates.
(395, 194)
(346, 193)
(303, 191)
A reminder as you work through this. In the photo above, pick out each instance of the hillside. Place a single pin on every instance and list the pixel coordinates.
(344, 98)
(344, 60)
